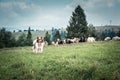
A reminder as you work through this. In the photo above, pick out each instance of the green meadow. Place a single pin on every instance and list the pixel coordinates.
(78, 61)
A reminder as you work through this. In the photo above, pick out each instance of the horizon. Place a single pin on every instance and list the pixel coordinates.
(47, 29)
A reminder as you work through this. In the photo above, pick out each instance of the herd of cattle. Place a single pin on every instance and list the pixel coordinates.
(39, 43)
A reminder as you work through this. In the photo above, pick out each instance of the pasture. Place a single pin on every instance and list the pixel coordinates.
(80, 61)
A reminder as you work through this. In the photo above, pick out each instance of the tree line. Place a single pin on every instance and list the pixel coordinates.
(8, 40)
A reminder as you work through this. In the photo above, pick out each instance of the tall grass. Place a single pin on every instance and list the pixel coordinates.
(82, 61)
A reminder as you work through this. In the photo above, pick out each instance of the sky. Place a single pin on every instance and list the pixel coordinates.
(45, 14)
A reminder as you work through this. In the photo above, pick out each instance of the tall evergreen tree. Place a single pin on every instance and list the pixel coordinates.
(6, 39)
(62, 34)
(2, 36)
(77, 24)
(21, 40)
(91, 31)
(118, 33)
(53, 34)
(47, 38)
(56, 36)
(29, 37)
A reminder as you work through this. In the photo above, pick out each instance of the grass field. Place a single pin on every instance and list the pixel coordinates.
(82, 61)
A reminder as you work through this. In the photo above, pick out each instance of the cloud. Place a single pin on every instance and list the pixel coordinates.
(69, 8)
(118, 0)
(26, 14)
(16, 8)
(52, 18)
(89, 4)
(14, 12)
(9, 5)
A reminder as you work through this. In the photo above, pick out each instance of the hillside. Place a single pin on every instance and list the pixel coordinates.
(34, 34)
(82, 61)
(108, 27)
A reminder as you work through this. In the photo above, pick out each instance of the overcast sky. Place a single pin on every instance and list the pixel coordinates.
(45, 14)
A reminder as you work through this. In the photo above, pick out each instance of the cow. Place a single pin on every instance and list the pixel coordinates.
(90, 39)
(82, 39)
(107, 39)
(58, 41)
(116, 38)
(69, 41)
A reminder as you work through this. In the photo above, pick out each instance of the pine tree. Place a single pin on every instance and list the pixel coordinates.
(29, 37)
(47, 38)
(77, 24)
(91, 31)
(2, 36)
(22, 40)
(118, 33)
(6, 39)
(62, 34)
(56, 36)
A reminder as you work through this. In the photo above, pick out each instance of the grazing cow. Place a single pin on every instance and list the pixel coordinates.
(90, 39)
(38, 45)
(107, 39)
(82, 39)
(69, 41)
(74, 40)
(57, 42)
(53, 43)
(60, 41)
(116, 38)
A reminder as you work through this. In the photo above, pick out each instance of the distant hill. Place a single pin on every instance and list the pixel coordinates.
(34, 33)
(108, 27)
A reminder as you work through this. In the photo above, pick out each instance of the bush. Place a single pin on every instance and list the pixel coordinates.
(6, 39)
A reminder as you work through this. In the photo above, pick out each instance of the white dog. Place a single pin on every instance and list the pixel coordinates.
(38, 45)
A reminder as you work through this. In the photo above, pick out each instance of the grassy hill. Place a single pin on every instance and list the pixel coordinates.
(82, 61)
(34, 34)
(115, 28)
